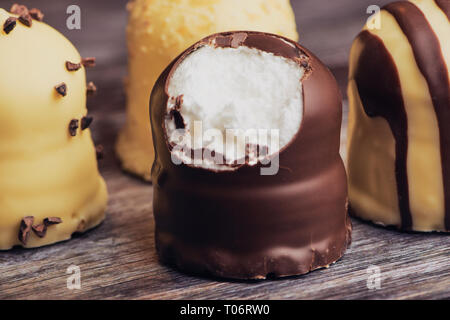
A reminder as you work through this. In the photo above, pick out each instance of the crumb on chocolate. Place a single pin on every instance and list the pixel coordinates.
(231, 41)
(238, 39)
(70, 66)
(61, 89)
(25, 228)
(9, 24)
(73, 127)
(86, 122)
(179, 102)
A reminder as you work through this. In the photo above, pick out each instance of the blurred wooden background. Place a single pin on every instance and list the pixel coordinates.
(118, 259)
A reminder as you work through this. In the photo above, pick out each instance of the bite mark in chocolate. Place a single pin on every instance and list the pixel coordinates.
(86, 122)
(61, 89)
(73, 127)
(26, 20)
(25, 228)
(91, 88)
(9, 24)
(88, 62)
(37, 14)
(70, 66)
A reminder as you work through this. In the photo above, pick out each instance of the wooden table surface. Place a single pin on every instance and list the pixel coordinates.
(118, 259)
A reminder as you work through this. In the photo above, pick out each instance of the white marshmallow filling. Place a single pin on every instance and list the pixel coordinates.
(230, 106)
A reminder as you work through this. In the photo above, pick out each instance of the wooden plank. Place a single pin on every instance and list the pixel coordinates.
(118, 259)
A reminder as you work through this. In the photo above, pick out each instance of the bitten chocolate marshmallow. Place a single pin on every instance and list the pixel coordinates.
(217, 211)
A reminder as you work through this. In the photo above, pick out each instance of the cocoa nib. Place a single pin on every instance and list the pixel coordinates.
(88, 62)
(40, 230)
(25, 228)
(18, 9)
(52, 220)
(9, 24)
(73, 127)
(91, 88)
(25, 19)
(36, 14)
(70, 66)
(61, 89)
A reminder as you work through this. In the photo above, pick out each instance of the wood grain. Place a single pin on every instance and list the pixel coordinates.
(118, 259)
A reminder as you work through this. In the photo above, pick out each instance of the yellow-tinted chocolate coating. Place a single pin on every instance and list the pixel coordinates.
(372, 169)
(44, 171)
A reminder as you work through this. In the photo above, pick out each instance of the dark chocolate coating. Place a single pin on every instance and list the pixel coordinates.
(445, 6)
(240, 224)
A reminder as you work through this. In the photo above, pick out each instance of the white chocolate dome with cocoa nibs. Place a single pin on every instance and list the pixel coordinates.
(50, 186)
(158, 30)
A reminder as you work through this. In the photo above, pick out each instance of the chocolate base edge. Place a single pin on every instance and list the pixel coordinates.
(354, 214)
(213, 263)
(254, 232)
